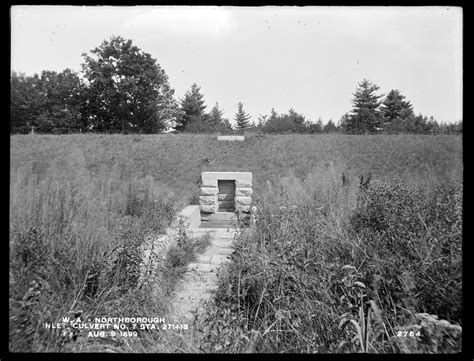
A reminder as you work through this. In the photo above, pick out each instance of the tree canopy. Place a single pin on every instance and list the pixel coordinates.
(127, 90)
(123, 89)
(46, 103)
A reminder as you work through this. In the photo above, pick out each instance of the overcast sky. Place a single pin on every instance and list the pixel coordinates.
(306, 58)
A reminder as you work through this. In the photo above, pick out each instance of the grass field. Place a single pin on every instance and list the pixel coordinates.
(176, 161)
(80, 206)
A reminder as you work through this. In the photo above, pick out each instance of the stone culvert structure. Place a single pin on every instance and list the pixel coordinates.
(224, 194)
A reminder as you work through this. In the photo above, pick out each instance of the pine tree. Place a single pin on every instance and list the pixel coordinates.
(394, 106)
(241, 118)
(296, 120)
(366, 116)
(330, 127)
(215, 116)
(192, 108)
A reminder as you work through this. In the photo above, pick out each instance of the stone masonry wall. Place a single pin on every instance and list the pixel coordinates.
(208, 200)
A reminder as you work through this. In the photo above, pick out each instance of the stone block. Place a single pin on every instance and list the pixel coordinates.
(209, 183)
(243, 192)
(208, 208)
(209, 191)
(242, 208)
(243, 183)
(243, 201)
(208, 200)
(219, 216)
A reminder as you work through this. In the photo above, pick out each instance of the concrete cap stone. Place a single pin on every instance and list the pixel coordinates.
(227, 176)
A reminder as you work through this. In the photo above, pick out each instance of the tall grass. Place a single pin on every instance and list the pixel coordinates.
(75, 237)
(341, 265)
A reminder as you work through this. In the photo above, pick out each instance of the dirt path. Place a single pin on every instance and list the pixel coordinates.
(200, 279)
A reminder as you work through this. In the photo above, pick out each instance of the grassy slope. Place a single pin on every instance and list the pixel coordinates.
(176, 161)
(96, 179)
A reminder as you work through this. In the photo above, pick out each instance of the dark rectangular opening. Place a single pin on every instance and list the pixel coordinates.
(226, 196)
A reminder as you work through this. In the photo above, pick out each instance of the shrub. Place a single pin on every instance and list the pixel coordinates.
(412, 240)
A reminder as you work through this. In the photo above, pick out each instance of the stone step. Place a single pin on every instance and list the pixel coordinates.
(224, 251)
(218, 245)
(193, 289)
(226, 235)
(198, 232)
(199, 278)
(223, 242)
(212, 259)
(218, 216)
(200, 281)
(209, 223)
(203, 267)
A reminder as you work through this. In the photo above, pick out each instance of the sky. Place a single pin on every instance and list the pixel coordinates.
(306, 58)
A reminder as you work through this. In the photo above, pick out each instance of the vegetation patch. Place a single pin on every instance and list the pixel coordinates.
(305, 281)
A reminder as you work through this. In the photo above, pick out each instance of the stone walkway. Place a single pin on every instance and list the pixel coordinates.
(200, 279)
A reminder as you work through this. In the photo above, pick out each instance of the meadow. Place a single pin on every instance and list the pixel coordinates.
(334, 210)
(176, 161)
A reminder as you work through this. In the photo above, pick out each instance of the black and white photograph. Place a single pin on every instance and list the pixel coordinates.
(236, 180)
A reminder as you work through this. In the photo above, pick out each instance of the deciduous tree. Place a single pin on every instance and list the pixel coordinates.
(61, 111)
(46, 103)
(127, 90)
(26, 102)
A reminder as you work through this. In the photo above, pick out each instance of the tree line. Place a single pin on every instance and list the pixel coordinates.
(122, 89)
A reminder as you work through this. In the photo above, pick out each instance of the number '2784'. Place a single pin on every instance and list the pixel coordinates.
(408, 333)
